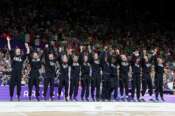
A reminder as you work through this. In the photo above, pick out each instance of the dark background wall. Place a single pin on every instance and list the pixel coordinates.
(128, 10)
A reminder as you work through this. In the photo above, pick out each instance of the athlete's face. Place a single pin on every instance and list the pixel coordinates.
(35, 55)
(136, 53)
(137, 60)
(85, 58)
(51, 57)
(160, 61)
(113, 60)
(144, 52)
(60, 49)
(106, 59)
(105, 47)
(75, 58)
(18, 51)
(117, 51)
(65, 59)
(146, 59)
(124, 58)
(95, 56)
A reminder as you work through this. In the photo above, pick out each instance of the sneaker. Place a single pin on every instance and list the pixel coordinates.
(71, 99)
(30, 98)
(133, 100)
(157, 99)
(75, 99)
(87, 99)
(37, 98)
(58, 97)
(11, 98)
(142, 99)
(18, 98)
(162, 99)
(152, 100)
(117, 99)
(45, 98)
(66, 99)
(97, 99)
(138, 100)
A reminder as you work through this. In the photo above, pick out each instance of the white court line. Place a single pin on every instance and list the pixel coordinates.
(84, 106)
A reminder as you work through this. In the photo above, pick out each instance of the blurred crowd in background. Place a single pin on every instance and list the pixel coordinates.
(75, 26)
